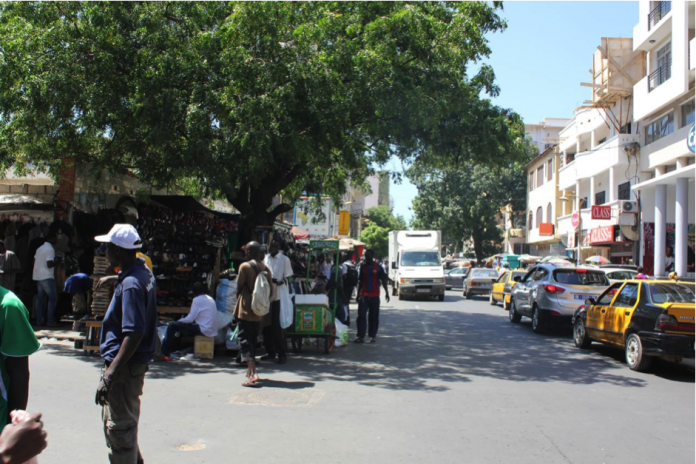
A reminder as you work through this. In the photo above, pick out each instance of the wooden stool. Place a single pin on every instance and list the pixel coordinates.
(93, 338)
(203, 347)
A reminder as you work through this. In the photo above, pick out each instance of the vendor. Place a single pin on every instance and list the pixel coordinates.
(202, 320)
(78, 286)
(335, 290)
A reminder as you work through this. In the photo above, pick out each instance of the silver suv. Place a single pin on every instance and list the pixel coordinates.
(550, 294)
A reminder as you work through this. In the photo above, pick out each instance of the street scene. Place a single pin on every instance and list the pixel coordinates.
(457, 232)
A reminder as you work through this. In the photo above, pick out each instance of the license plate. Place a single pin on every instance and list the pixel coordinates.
(580, 297)
(423, 290)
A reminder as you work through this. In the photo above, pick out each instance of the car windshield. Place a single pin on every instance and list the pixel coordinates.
(580, 277)
(672, 293)
(518, 273)
(484, 273)
(622, 275)
(420, 258)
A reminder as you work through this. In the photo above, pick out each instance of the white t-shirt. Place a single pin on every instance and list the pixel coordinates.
(281, 268)
(44, 254)
(204, 313)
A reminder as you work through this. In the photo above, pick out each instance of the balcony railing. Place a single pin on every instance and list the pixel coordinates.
(660, 75)
(659, 12)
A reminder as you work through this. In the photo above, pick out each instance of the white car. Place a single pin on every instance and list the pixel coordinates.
(617, 274)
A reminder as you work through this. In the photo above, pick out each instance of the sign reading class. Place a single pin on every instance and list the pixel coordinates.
(601, 212)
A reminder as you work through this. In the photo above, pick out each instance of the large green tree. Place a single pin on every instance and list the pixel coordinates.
(248, 100)
(464, 201)
(383, 216)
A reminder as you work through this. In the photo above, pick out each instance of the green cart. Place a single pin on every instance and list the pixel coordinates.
(314, 316)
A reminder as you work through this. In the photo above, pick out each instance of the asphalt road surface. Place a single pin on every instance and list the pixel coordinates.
(450, 382)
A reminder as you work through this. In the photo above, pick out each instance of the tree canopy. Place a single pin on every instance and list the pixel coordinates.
(383, 216)
(382, 221)
(248, 99)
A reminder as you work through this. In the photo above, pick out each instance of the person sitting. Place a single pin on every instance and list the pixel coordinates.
(202, 320)
(78, 286)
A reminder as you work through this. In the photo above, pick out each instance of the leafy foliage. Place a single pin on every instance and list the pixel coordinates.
(376, 238)
(384, 217)
(247, 99)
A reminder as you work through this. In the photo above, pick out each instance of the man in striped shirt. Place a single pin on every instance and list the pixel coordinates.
(371, 275)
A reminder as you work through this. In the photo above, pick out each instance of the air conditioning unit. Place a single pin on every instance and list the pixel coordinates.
(628, 206)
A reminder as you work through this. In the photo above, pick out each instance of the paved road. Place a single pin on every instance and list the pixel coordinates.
(451, 382)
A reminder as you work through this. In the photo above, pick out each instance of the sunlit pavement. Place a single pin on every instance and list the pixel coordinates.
(450, 381)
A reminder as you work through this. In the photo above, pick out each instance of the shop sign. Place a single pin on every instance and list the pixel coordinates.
(557, 249)
(344, 223)
(602, 235)
(690, 139)
(601, 212)
(545, 229)
(575, 220)
(323, 244)
(306, 218)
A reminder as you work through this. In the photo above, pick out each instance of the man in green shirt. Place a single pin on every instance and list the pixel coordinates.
(17, 342)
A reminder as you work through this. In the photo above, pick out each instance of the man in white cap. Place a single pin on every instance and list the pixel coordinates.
(128, 343)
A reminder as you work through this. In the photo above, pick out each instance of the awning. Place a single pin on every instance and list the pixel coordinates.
(347, 244)
(299, 233)
(23, 202)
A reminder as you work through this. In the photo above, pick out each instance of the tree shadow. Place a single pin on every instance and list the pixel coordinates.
(269, 383)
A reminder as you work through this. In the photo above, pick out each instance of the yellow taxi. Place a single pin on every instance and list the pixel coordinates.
(647, 318)
(503, 286)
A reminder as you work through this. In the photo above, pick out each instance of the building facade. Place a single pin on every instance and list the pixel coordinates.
(546, 133)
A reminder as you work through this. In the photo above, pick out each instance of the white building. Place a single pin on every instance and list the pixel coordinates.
(545, 134)
(664, 105)
(543, 204)
(599, 163)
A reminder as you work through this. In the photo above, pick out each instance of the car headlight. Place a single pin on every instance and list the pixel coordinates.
(406, 281)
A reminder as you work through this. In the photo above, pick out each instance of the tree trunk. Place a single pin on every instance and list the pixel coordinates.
(255, 212)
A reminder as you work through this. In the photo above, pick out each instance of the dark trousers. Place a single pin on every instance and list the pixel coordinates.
(175, 332)
(122, 414)
(348, 291)
(368, 314)
(248, 334)
(273, 337)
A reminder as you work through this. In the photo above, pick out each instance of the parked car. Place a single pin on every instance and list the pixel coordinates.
(619, 274)
(479, 281)
(454, 278)
(646, 318)
(503, 287)
(549, 294)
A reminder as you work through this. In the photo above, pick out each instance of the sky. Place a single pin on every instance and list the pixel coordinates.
(540, 60)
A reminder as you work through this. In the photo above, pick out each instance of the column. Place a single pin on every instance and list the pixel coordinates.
(577, 146)
(577, 196)
(564, 203)
(681, 220)
(660, 229)
(593, 140)
(612, 185)
(591, 199)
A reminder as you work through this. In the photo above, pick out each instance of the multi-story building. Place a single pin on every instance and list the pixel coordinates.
(664, 107)
(599, 159)
(545, 134)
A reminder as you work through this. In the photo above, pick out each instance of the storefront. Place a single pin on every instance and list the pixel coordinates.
(611, 244)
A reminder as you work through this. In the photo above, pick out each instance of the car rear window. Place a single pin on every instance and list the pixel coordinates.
(672, 293)
(622, 275)
(484, 273)
(580, 277)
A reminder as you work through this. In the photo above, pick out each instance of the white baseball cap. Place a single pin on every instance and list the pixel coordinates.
(122, 235)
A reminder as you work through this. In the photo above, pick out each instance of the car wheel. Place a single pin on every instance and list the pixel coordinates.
(582, 340)
(465, 294)
(514, 315)
(441, 297)
(537, 322)
(635, 357)
(491, 300)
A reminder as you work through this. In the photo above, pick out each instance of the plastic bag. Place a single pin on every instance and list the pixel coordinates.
(286, 306)
(232, 342)
(341, 333)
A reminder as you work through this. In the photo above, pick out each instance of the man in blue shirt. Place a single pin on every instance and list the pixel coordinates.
(128, 342)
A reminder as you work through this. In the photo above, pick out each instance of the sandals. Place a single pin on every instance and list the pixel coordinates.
(252, 383)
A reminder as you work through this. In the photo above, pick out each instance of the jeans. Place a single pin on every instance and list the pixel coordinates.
(273, 338)
(122, 414)
(46, 287)
(369, 304)
(175, 332)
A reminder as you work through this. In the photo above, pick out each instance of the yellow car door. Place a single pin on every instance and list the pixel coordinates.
(499, 286)
(619, 313)
(596, 313)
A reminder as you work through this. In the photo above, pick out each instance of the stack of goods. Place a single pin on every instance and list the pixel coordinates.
(100, 297)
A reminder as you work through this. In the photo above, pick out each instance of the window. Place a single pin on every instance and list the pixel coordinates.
(608, 295)
(517, 248)
(581, 277)
(600, 198)
(625, 191)
(540, 176)
(549, 219)
(660, 127)
(530, 225)
(584, 203)
(539, 214)
(540, 274)
(672, 293)
(627, 297)
(531, 181)
(549, 168)
(687, 113)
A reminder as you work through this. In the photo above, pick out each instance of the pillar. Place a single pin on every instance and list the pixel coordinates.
(612, 185)
(591, 199)
(660, 229)
(565, 194)
(577, 196)
(593, 140)
(681, 220)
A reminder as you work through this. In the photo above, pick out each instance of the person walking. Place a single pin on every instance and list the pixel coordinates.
(201, 320)
(246, 318)
(9, 266)
(350, 277)
(273, 336)
(371, 274)
(44, 268)
(128, 343)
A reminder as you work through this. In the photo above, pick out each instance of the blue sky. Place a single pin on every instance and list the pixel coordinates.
(541, 59)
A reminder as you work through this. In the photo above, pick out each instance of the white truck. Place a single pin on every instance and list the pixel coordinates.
(415, 267)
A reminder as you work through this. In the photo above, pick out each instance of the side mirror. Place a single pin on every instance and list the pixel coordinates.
(394, 266)
(517, 278)
(589, 302)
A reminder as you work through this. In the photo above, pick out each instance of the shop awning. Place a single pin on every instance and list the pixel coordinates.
(299, 233)
(23, 202)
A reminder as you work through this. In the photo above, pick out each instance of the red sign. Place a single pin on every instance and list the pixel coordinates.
(602, 235)
(545, 229)
(601, 212)
(575, 220)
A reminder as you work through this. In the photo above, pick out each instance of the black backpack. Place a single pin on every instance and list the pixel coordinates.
(352, 276)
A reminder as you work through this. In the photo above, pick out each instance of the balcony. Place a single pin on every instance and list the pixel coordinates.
(660, 75)
(657, 13)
